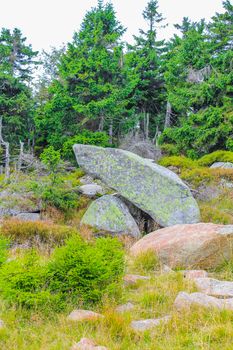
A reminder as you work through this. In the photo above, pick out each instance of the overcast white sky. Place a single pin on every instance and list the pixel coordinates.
(51, 22)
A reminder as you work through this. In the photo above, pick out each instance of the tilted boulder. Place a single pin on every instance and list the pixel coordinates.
(198, 245)
(110, 214)
(154, 189)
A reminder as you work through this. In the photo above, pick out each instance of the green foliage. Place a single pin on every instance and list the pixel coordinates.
(4, 244)
(90, 90)
(16, 102)
(51, 158)
(169, 149)
(86, 271)
(179, 162)
(86, 137)
(79, 272)
(218, 156)
(59, 197)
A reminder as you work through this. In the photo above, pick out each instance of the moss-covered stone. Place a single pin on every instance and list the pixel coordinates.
(110, 214)
(151, 187)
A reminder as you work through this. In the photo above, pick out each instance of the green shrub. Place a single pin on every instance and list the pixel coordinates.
(23, 281)
(169, 149)
(178, 161)
(4, 244)
(86, 271)
(79, 272)
(60, 198)
(86, 137)
(217, 156)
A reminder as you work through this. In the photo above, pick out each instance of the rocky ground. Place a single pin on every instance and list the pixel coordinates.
(177, 289)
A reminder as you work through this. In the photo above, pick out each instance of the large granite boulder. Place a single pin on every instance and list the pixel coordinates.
(199, 245)
(154, 189)
(110, 214)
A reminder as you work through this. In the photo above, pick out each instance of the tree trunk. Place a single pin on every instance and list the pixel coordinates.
(168, 115)
(7, 152)
(101, 124)
(20, 156)
(110, 133)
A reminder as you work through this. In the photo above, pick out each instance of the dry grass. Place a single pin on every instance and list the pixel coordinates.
(196, 329)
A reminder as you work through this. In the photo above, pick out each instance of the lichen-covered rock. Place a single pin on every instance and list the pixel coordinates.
(200, 245)
(110, 214)
(154, 189)
(14, 203)
(222, 165)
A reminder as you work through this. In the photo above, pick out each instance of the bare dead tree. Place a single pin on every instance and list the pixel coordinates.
(7, 152)
(168, 115)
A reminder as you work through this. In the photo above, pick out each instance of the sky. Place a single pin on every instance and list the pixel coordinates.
(48, 23)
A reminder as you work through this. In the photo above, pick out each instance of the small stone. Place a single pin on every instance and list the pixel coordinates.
(28, 216)
(87, 344)
(2, 324)
(216, 288)
(192, 274)
(133, 279)
(222, 165)
(166, 269)
(86, 180)
(185, 301)
(91, 190)
(84, 315)
(144, 325)
(125, 307)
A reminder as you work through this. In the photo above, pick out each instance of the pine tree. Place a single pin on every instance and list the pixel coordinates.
(90, 90)
(16, 103)
(144, 61)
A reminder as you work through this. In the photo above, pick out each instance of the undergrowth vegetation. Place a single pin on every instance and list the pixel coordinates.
(78, 273)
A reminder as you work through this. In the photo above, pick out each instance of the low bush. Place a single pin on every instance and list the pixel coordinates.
(59, 197)
(38, 231)
(178, 161)
(85, 137)
(4, 244)
(86, 271)
(218, 156)
(78, 273)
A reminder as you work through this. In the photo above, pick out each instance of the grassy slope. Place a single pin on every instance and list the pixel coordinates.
(195, 329)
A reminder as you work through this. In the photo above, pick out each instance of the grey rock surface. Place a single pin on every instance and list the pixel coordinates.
(125, 307)
(211, 286)
(222, 165)
(154, 189)
(28, 216)
(185, 300)
(144, 325)
(91, 190)
(110, 214)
